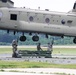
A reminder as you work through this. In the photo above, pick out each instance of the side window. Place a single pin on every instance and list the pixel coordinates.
(31, 18)
(47, 20)
(63, 21)
(13, 16)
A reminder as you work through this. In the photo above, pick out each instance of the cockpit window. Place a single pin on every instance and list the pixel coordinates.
(13, 17)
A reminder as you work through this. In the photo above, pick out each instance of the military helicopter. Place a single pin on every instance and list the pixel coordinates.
(37, 21)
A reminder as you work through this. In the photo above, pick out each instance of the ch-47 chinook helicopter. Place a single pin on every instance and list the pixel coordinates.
(37, 21)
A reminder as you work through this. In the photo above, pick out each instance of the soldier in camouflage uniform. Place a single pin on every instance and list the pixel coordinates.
(39, 49)
(50, 47)
(14, 48)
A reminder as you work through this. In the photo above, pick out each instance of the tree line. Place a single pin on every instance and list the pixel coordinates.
(6, 39)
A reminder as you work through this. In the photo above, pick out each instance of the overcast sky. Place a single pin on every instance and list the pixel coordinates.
(52, 5)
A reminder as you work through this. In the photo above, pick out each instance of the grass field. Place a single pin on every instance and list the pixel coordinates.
(26, 64)
(66, 51)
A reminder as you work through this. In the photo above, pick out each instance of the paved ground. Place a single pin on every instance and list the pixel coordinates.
(31, 46)
(42, 71)
(14, 73)
(57, 59)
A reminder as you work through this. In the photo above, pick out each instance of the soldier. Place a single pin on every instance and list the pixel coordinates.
(14, 45)
(50, 46)
(39, 47)
(49, 50)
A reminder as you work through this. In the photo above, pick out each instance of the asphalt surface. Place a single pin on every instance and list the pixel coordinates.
(57, 59)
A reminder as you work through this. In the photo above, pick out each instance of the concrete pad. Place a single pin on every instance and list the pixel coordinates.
(45, 70)
(15, 73)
